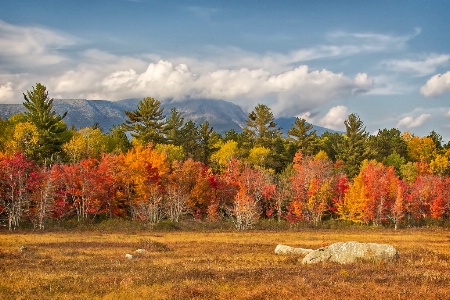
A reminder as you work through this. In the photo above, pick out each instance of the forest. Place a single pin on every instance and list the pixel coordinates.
(158, 166)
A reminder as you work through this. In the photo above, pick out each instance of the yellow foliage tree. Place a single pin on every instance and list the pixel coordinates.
(353, 207)
(258, 156)
(86, 143)
(439, 165)
(421, 149)
(25, 139)
(172, 152)
(227, 151)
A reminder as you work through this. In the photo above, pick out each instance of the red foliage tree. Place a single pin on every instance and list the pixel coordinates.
(17, 181)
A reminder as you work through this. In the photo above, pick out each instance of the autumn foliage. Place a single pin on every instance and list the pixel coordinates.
(176, 170)
(142, 184)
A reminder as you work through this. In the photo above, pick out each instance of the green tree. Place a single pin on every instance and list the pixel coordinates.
(329, 142)
(190, 139)
(117, 140)
(207, 138)
(147, 123)
(261, 126)
(173, 127)
(303, 137)
(51, 127)
(395, 160)
(280, 155)
(352, 149)
(387, 142)
(437, 139)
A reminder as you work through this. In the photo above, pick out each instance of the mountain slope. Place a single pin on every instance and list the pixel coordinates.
(221, 115)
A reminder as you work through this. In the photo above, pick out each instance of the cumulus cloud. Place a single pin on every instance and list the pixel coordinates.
(412, 122)
(421, 67)
(436, 85)
(6, 92)
(293, 91)
(335, 118)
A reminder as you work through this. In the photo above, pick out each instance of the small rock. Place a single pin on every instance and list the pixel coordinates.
(128, 256)
(283, 249)
(140, 251)
(23, 248)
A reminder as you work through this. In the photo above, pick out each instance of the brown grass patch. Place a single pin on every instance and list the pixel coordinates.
(218, 265)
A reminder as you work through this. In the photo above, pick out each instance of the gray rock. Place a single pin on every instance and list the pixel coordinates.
(283, 249)
(140, 251)
(128, 256)
(349, 252)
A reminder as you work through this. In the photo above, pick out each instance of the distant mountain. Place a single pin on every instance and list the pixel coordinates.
(221, 115)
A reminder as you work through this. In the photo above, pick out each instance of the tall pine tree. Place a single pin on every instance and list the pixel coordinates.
(51, 127)
(147, 123)
(261, 126)
(303, 137)
(352, 149)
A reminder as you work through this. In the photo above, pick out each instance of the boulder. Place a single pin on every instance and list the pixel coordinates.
(140, 251)
(349, 252)
(128, 256)
(283, 249)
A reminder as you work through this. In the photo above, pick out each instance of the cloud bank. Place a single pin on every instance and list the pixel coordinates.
(278, 80)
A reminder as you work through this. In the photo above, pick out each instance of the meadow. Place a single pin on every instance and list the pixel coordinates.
(218, 264)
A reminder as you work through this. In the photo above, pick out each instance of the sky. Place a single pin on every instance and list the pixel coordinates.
(386, 61)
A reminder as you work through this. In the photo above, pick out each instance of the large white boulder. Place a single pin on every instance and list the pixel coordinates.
(349, 252)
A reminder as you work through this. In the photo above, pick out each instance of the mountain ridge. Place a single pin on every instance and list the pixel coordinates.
(221, 115)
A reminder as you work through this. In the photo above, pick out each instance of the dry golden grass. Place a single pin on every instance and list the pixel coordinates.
(218, 265)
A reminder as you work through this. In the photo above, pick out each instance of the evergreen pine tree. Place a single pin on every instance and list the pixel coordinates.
(352, 149)
(147, 123)
(52, 129)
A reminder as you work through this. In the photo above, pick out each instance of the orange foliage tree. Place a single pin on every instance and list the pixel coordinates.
(313, 184)
(248, 188)
(373, 196)
(144, 171)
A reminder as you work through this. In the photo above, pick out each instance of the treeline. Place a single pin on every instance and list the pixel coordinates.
(175, 169)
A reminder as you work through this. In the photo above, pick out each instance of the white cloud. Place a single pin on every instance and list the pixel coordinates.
(243, 77)
(390, 85)
(436, 85)
(412, 122)
(22, 46)
(335, 118)
(422, 67)
(291, 92)
(307, 116)
(371, 42)
(6, 92)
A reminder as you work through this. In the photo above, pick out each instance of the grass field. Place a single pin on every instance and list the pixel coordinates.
(218, 265)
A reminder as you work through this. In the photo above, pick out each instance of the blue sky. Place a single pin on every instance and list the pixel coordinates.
(387, 61)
